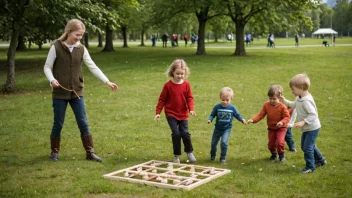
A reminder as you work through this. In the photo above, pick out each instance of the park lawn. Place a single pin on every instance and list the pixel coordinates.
(125, 133)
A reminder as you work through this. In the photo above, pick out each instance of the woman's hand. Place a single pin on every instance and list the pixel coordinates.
(113, 86)
(55, 84)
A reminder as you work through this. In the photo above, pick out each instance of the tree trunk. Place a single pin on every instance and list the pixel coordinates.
(10, 84)
(201, 35)
(124, 34)
(142, 37)
(21, 44)
(100, 40)
(109, 47)
(86, 40)
(240, 50)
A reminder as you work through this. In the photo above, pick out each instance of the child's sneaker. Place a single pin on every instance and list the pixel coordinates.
(212, 158)
(54, 156)
(273, 156)
(293, 150)
(177, 159)
(321, 163)
(222, 160)
(306, 171)
(191, 157)
(282, 157)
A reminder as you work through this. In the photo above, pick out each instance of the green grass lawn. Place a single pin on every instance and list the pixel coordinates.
(125, 133)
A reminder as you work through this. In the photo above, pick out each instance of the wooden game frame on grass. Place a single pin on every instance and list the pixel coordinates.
(168, 174)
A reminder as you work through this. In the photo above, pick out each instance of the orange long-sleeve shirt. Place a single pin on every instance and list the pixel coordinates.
(274, 115)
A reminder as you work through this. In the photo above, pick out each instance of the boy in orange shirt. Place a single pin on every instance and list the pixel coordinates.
(277, 119)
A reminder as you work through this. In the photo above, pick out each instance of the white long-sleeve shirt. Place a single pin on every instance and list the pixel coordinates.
(306, 111)
(48, 67)
(292, 119)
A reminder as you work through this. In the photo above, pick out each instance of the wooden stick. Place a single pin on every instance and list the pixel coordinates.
(152, 177)
(70, 90)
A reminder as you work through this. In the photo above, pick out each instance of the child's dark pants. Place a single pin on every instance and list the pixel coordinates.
(179, 130)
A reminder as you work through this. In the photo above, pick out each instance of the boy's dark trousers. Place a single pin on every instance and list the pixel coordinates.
(289, 139)
(179, 130)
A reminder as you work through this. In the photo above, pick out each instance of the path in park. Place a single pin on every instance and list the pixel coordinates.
(219, 46)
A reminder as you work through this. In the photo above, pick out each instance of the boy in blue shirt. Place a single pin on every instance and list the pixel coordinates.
(224, 113)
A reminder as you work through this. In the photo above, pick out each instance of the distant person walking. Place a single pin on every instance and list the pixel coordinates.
(333, 40)
(164, 38)
(153, 40)
(185, 38)
(296, 40)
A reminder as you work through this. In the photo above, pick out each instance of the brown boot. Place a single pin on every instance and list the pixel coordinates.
(55, 148)
(89, 147)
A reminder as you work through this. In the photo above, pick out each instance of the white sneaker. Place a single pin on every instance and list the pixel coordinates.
(191, 157)
(177, 159)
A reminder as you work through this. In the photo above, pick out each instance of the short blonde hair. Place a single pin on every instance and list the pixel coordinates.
(226, 91)
(275, 90)
(177, 64)
(300, 81)
(71, 26)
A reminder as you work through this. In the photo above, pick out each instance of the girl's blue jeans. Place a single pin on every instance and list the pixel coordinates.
(224, 136)
(77, 105)
(312, 154)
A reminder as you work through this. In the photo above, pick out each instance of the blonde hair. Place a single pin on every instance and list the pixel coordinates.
(177, 64)
(275, 90)
(226, 91)
(300, 81)
(71, 26)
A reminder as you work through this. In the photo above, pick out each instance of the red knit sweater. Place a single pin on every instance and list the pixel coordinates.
(274, 115)
(177, 100)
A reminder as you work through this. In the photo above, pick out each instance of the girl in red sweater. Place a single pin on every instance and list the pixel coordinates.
(277, 117)
(177, 100)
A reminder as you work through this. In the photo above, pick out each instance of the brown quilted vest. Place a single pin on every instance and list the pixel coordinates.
(67, 70)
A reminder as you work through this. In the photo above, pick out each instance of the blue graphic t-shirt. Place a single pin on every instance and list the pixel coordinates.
(224, 116)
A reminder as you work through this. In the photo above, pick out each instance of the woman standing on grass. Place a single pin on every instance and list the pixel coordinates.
(63, 68)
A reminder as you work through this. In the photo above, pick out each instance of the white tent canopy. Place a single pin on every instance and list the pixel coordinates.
(325, 31)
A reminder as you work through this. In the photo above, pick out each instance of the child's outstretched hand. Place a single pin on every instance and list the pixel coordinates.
(193, 113)
(157, 117)
(299, 124)
(279, 124)
(250, 121)
(209, 121)
(281, 97)
(244, 121)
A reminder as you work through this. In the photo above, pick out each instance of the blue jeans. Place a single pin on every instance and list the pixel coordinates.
(77, 105)
(289, 139)
(224, 135)
(311, 152)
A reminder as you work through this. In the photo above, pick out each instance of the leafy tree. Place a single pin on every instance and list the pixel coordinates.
(12, 12)
(203, 10)
(39, 20)
(326, 16)
(341, 22)
(274, 12)
(221, 26)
